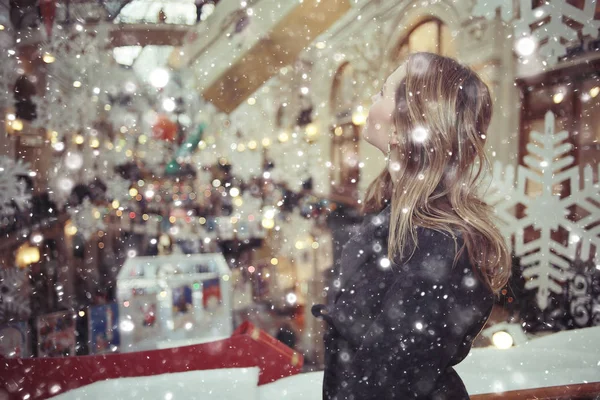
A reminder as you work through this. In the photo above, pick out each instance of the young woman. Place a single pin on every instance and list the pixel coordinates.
(417, 282)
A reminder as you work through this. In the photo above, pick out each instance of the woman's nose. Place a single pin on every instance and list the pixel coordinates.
(373, 98)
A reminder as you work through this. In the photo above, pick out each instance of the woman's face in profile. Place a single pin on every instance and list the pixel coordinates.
(379, 127)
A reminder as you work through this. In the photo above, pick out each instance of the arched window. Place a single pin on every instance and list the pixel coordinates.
(432, 36)
(345, 138)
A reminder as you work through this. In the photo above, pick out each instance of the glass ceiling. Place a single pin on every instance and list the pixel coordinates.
(181, 12)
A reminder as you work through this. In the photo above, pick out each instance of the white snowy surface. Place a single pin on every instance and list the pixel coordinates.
(222, 384)
(562, 358)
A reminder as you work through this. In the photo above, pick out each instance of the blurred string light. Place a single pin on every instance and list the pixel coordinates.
(48, 58)
(502, 340)
(291, 298)
(17, 125)
(27, 255)
(359, 116)
(283, 137)
(558, 97)
(311, 131)
(595, 91)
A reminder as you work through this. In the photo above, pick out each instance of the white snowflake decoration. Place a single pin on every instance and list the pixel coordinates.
(117, 188)
(79, 54)
(8, 76)
(155, 155)
(14, 294)
(109, 159)
(13, 190)
(545, 260)
(64, 112)
(551, 34)
(87, 218)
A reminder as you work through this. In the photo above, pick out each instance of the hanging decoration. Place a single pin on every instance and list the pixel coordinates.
(551, 34)
(63, 111)
(71, 99)
(154, 155)
(546, 262)
(189, 145)
(117, 189)
(87, 218)
(14, 195)
(8, 76)
(48, 11)
(14, 295)
(164, 129)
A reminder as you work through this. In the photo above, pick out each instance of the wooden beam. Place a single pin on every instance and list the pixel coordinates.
(280, 47)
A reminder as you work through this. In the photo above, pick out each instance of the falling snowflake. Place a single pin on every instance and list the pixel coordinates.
(117, 188)
(87, 218)
(13, 190)
(552, 34)
(544, 259)
(14, 294)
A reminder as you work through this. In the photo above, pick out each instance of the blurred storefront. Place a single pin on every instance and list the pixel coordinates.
(132, 131)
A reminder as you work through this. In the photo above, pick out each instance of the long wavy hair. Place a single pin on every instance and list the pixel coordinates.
(442, 114)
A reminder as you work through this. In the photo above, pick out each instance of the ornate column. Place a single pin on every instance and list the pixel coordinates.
(482, 46)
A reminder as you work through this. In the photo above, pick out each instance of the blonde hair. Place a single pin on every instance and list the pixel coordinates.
(442, 114)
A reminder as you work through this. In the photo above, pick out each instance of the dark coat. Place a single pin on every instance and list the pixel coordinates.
(395, 330)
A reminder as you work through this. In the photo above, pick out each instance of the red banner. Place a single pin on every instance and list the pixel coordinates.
(247, 347)
(48, 11)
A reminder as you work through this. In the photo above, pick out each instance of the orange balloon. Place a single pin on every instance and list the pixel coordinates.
(164, 129)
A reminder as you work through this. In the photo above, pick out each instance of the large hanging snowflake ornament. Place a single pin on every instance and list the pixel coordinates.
(548, 165)
(551, 32)
(117, 189)
(56, 111)
(79, 52)
(87, 218)
(14, 295)
(8, 76)
(13, 189)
